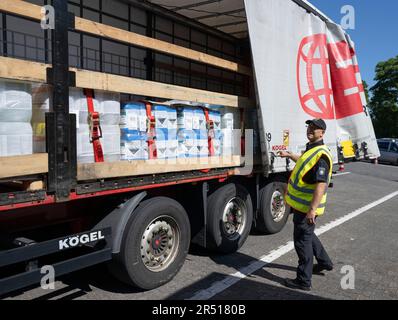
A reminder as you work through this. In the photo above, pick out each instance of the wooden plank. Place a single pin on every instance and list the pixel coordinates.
(16, 69)
(94, 171)
(21, 8)
(109, 82)
(22, 70)
(109, 32)
(33, 11)
(23, 165)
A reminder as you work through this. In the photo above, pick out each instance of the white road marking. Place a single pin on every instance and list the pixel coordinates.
(341, 174)
(230, 280)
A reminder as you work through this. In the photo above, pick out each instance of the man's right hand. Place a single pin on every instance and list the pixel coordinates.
(288, 154)
(284, 154)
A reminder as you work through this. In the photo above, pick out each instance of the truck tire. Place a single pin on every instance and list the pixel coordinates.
(229, 218)
(273, 211)
(155, 244)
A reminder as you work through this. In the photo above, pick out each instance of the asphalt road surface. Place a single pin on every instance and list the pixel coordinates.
(359, 231)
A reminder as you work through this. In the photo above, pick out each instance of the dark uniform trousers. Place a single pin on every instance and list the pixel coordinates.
(307, 246)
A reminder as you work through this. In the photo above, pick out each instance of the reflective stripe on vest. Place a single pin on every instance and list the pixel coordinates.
(299, 194)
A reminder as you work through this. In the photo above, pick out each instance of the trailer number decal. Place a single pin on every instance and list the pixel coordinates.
(79, 240)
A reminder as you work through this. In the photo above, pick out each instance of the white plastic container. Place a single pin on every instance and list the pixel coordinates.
(185, 151)
(79, 101)
(15, 139)
(16, 134)
(15, 101)
(134, 150)
(230, 118)
(109, 107)
(41, 97)
(161, 114)
(166, 131)
(231, 133)
(187, 143)
(185, 118)
(134, 145)
(85, 152)
(199, 119)
(215, 116)
(110, 144)
(107, 104)
(202, 137)
(231, 142)
(133, 116)
(166, 143)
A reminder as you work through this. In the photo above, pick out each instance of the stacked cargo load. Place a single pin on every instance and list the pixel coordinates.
(15, 117)
(231, 132)
(200, 129)
(165, 131)
(216, 133)
(187, 138)
(133, 125)
(106, 104)
(40, 106)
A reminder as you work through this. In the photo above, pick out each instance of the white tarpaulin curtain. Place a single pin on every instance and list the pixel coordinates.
(304, 68)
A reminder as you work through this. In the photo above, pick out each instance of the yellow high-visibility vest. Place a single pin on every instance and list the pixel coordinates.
(300, 194)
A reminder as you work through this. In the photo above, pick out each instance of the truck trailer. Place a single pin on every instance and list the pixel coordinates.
(131, 129)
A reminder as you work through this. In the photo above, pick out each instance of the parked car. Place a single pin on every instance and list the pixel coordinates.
(389, 150)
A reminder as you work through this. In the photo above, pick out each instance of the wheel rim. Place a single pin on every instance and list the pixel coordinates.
(278, 207)
(159, 243)
(234, 218)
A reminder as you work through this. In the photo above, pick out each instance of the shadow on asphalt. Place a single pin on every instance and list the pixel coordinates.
(248, 290)
(238, 261)
(79, 283)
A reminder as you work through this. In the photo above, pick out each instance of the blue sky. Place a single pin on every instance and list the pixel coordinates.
(376, 32)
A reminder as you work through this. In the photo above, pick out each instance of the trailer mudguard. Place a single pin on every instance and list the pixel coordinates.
(117, 220)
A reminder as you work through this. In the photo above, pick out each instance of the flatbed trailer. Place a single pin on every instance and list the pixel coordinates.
(30, 214)
(141, 216)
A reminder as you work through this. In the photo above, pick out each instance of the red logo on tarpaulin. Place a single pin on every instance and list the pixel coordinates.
(328, 79)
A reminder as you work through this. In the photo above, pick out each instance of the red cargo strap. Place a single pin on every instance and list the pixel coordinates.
(95, 126)
(210, 131)
(153, 154)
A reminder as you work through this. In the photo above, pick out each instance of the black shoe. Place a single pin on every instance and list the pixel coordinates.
(318, 268)
(295, 284)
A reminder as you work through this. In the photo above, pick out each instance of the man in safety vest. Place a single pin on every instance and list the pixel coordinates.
(307, 194)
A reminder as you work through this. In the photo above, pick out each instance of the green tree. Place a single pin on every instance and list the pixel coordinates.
(384, 101)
